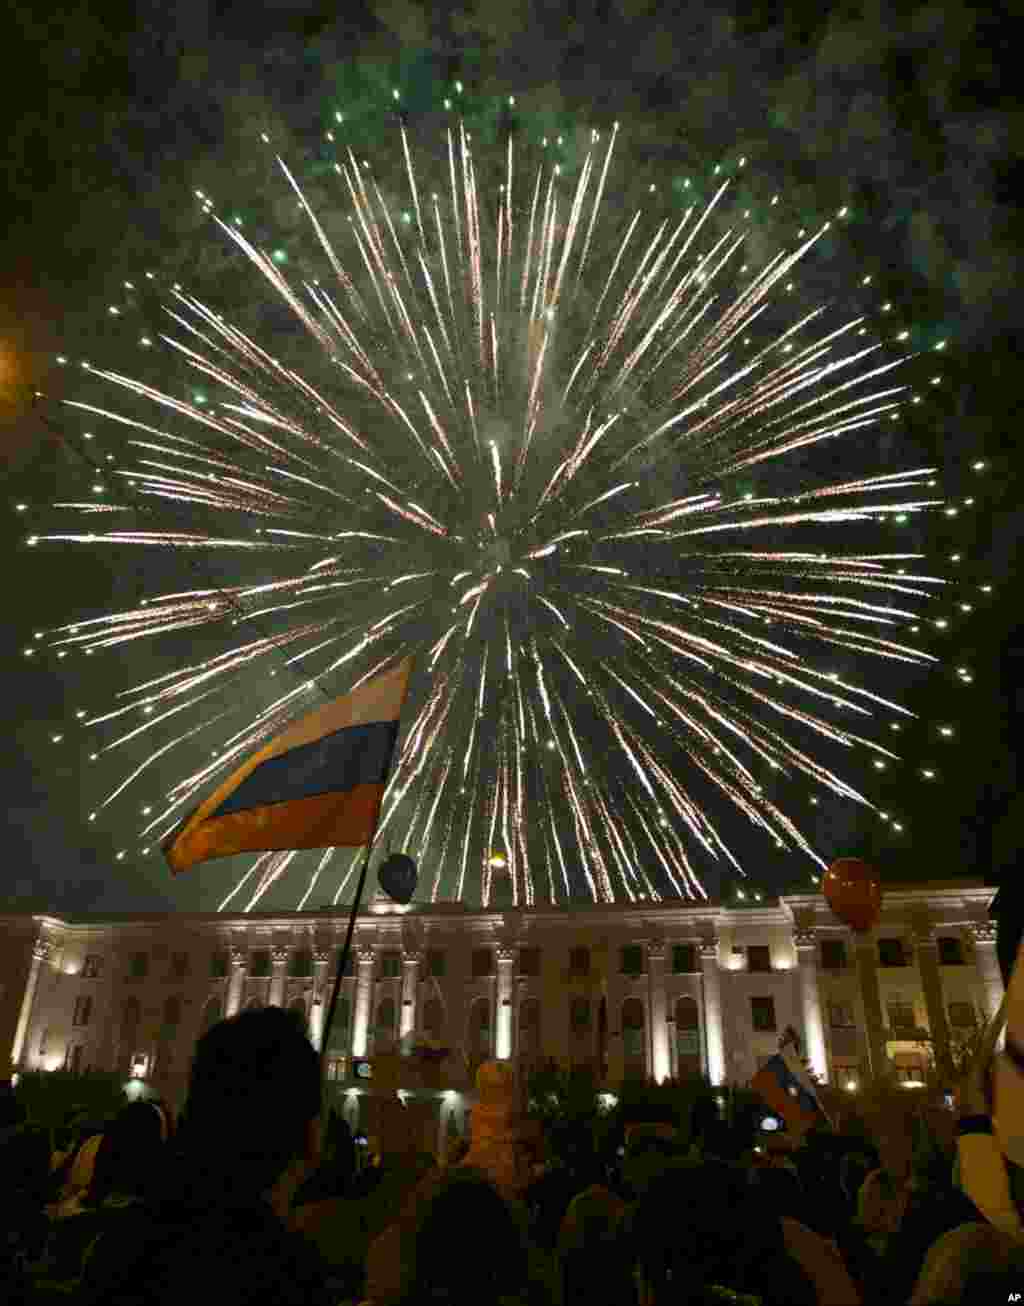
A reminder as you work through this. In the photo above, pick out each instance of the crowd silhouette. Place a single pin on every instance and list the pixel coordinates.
(250, 1197)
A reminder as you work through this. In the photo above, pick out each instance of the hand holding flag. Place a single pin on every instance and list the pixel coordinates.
(785, 1086)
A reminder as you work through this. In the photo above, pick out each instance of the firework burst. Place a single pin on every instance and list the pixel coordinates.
(510, 431)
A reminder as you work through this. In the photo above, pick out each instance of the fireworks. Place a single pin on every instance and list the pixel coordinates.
(512, 430)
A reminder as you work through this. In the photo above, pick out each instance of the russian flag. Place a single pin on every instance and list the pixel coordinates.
(319, 784)
(781, 1084)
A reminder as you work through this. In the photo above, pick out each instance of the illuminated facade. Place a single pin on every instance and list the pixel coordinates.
(648, 989)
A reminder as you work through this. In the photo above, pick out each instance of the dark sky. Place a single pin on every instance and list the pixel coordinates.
(115, 112)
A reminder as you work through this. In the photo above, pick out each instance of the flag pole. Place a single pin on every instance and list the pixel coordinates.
(346, 948)
(349, 933)
(344, 955)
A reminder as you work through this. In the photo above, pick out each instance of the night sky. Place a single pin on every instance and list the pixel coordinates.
(114, 113)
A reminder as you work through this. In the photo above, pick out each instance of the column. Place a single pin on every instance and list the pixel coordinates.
(365, 959)
(321, 997)
(928, 965)
(279, 959)
(806, 944)
(239, 964)
(713, 1011)
(866, 947)
(661, 1064)
(40, 952)
(503, 1014)
(411, 960)
(987, 964)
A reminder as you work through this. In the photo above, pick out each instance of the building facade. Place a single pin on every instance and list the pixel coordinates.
(634, 989)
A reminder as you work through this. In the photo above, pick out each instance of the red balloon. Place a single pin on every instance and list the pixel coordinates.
(853, 890)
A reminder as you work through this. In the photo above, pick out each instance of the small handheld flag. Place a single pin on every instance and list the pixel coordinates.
(319, 784)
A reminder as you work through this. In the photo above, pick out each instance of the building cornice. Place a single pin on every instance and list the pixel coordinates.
(946, 904)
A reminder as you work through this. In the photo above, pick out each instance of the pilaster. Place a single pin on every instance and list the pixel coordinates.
(927, 951)
(661, 1063)
(713, 1029)
(279, 959)
(365, 959)
(506, 958)
(806, 943)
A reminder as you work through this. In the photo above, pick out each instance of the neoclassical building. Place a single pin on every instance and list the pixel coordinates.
(648, 989)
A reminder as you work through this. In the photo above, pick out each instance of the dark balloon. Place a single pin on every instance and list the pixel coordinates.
(853, 890)
(397, 877)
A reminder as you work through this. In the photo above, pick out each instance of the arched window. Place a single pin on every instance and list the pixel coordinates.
(529, 1028)
(480, 1028)
(688, 1036)
(211, 1014)
(433, 1018)
(386, 1018)
(340, 1038)
(633, 1052)
(581, 1041)
(298, 1007)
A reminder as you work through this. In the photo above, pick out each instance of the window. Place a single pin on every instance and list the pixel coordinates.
(632, 960)
(350, 963)
(390, 965)
(762, 1014)
(684, 958)
(92, 967)
(840, 1015)
(301, 965)
(951, 952)
(759, 957)
(433, 1018)
(579, 1016)
(962, 1015)
(633, 1037)
(83, 1009)
(138, 965)
(833, 954)
(218, 965)
(529, 962)
(480, 1028)
(688, 1036)
(483, 962)
(172, 1012)
(579, 962)
(179, 965)
(435, 963)
(259, 963)
(44, 1038)
(130, 1013)
(891, 953)
(529, 1028)
(901, 1016)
